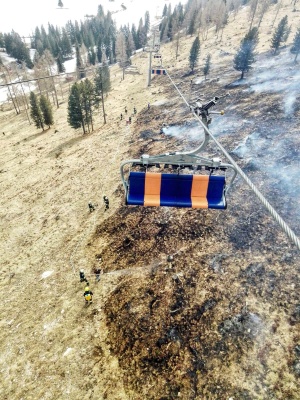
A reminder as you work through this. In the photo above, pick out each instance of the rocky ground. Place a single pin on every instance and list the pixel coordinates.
(192, 304)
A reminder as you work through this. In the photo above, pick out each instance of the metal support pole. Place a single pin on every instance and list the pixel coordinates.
(150, 68)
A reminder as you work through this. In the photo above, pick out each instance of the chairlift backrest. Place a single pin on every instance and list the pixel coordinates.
(159, 71)
(176, 190)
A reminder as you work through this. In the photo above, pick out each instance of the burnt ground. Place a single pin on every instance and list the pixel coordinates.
(215, 314)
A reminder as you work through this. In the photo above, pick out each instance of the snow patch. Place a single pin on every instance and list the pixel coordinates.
(51, 325)
(68, 351)
(46, 274)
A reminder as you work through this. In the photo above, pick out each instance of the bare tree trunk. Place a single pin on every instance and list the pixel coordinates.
(13, 89)
(104, 115)
(277, 11)
(12, 99)
(53, 99)
(24, 97)
(83, 127)
(26, 76)
(53, 83)
(39, 86)
(253, 13)
(61, 90)
(8, 88)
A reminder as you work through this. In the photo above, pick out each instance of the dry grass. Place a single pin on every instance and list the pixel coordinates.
(220, 322)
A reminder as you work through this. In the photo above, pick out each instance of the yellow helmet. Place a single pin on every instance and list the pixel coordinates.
(86, 289)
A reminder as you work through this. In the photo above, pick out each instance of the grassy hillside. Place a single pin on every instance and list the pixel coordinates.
(219, 321)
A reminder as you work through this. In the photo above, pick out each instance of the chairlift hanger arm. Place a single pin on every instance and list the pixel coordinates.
(188, 158)
(203, 110)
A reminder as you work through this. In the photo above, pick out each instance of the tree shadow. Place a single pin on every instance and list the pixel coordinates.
(59, 149)
(36, 135)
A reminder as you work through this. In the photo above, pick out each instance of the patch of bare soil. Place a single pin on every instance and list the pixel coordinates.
(192, 304)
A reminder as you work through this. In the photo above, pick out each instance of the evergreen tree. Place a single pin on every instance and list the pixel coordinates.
(295, 49)
(79, 62)
(147, 21)
(206, 68)
(46, 109)
(165, 11)
(194, 53)
(102, 80)
(75, 114)
(102, 86)
(60, 65)
(192, 25)
(66, 46)
(87, 101)
(35, 111)
(78, 36)
(134, 36)
(16, 48)
(281, 34)
(163, 29)
(244, 58)
(170, 28)
(92, 56)
(71, 31)
(142, 35)
(2, 43)
(99, 49)
(130, 44)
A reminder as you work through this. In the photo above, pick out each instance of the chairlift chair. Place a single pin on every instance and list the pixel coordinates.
(158, 60)
(158, 71)
(205, 188)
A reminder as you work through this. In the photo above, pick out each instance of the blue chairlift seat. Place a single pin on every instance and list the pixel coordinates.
(175, 190)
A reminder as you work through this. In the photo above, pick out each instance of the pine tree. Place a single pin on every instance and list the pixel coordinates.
(2, 43)
(66, 46)
(142, 35)
(46, 109)
(192, 25)
(60, 65)
(87, 102)
(102, 86)
(35, 111)
(79, 63)
(206, 68)
(147, 21)
(165, 11)
(75, 114)
(16, 48)
(281, 34)
(244, 58)
(92, 56)
(295, 49)
(194, 53)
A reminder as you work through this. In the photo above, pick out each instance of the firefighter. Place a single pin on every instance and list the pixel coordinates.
(106, 202)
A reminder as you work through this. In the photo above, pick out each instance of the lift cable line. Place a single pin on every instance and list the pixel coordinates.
(263, 200)
(49, 76)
